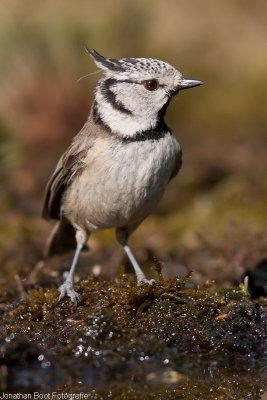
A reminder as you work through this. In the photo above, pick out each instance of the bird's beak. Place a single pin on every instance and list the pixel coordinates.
(188, 83)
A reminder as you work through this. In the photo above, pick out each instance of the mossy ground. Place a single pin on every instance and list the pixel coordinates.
(171, 340)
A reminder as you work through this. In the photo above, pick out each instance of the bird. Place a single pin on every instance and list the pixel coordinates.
(118, 166)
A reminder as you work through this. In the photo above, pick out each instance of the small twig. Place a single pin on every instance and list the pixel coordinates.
(20, 287)
(142, 307)
(172, 296)
(158, 268)
(33, 275)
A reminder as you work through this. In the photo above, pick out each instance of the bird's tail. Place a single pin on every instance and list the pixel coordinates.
(62, 239)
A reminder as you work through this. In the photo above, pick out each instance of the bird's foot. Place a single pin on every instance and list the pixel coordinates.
(66, 289)
(143, 281)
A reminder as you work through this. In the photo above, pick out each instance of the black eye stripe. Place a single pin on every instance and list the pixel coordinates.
(115, 81)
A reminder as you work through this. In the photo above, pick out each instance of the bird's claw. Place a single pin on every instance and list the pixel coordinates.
(66, 289)
(144, 281)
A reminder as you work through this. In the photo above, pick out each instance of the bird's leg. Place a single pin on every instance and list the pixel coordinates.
(66, 289)
(141, 279)
(122, 236)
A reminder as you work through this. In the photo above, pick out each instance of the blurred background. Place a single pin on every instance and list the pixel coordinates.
(212, 219)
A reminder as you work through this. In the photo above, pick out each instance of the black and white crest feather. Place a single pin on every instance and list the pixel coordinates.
(109, 64)
(131, 66)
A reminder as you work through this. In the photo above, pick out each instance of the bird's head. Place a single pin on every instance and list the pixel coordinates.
(134, 93)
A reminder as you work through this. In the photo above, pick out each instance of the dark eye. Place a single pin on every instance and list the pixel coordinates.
(151, 84)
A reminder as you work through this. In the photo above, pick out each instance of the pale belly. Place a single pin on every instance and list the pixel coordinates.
(123, 184)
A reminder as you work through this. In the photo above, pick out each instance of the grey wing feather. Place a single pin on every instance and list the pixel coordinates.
(177, 164)
(69, 165)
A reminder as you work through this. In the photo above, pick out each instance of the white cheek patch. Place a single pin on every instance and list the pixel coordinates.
(139, 100)
(126, 125)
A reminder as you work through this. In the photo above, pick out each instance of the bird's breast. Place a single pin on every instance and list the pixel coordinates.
(124, 181)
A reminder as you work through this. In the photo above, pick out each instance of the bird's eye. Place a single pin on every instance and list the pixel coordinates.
(151, 84)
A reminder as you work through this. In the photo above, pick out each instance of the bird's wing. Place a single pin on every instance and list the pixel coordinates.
(177, 164)
(70, 164)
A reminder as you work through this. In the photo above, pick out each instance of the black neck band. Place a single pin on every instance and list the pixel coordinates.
(155, 133)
